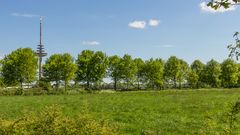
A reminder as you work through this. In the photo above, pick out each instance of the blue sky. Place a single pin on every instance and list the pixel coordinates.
(141, 28)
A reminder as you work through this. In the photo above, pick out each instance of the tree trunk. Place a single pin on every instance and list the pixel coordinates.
(88, 85)
(138, 85)
(175, 82)
(21, 84)
(75, 82)
(57, 85)
(115, 83)
(65, 84)
(153, 86)
(138, 81)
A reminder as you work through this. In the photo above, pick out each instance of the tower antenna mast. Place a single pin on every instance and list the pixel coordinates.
(40, 52)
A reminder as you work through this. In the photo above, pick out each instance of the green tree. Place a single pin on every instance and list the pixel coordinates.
(238, 65)
(84, 67)
(92, 67)
(230, 73)
(1, 77)
(172, 69)
(99, 65)
(1, 82)
(129, 69)
(212, 73)
(69, 68)
(52, 69)
(140, 71)
(115, 69)
(19, 67)
(197, 67)
(154, 70)
(183, 72)
(59, 67)
(192, 78)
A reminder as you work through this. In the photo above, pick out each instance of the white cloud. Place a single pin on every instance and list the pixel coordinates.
(165, 46)
(91, 43)
(153, 22)
(168, 46)
(24, 15)
(137, 24)
(205, 8)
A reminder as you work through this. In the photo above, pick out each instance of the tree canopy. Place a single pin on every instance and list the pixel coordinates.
(172, 69)
(192, 78)
(154, 71)
(229, 74)
(196, 72)
(128, 69)
(183, 72)
(92, 67)
(19, 67)
(115, 69)
(140, 64)
(212, 73)
(59, 67)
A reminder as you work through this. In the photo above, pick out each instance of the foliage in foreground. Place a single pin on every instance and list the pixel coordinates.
(216, 4)
(51, 121)
(227, 123)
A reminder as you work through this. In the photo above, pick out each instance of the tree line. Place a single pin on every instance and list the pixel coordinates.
(90, 68)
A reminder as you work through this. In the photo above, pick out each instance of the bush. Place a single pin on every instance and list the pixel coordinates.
(18, 91)
(39, 91)
(51, 121)
(226, 123)
(34, 92)
(45, 85)
(8, 92)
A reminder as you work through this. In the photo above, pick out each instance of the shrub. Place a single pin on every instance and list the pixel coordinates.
(18, 91)
(232, 117)
(226, 123)
(34, 92)
(51, 121)
(8, 92)
(45, 85)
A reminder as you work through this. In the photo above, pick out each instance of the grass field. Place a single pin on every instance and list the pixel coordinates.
(153, 112)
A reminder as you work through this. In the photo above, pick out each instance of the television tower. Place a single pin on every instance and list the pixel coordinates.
(40, 52)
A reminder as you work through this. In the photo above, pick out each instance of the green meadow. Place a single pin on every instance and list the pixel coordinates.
(140, 112)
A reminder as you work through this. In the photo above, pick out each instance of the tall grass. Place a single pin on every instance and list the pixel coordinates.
(153, 112)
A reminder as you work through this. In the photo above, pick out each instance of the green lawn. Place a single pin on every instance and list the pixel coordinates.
(160, 112)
